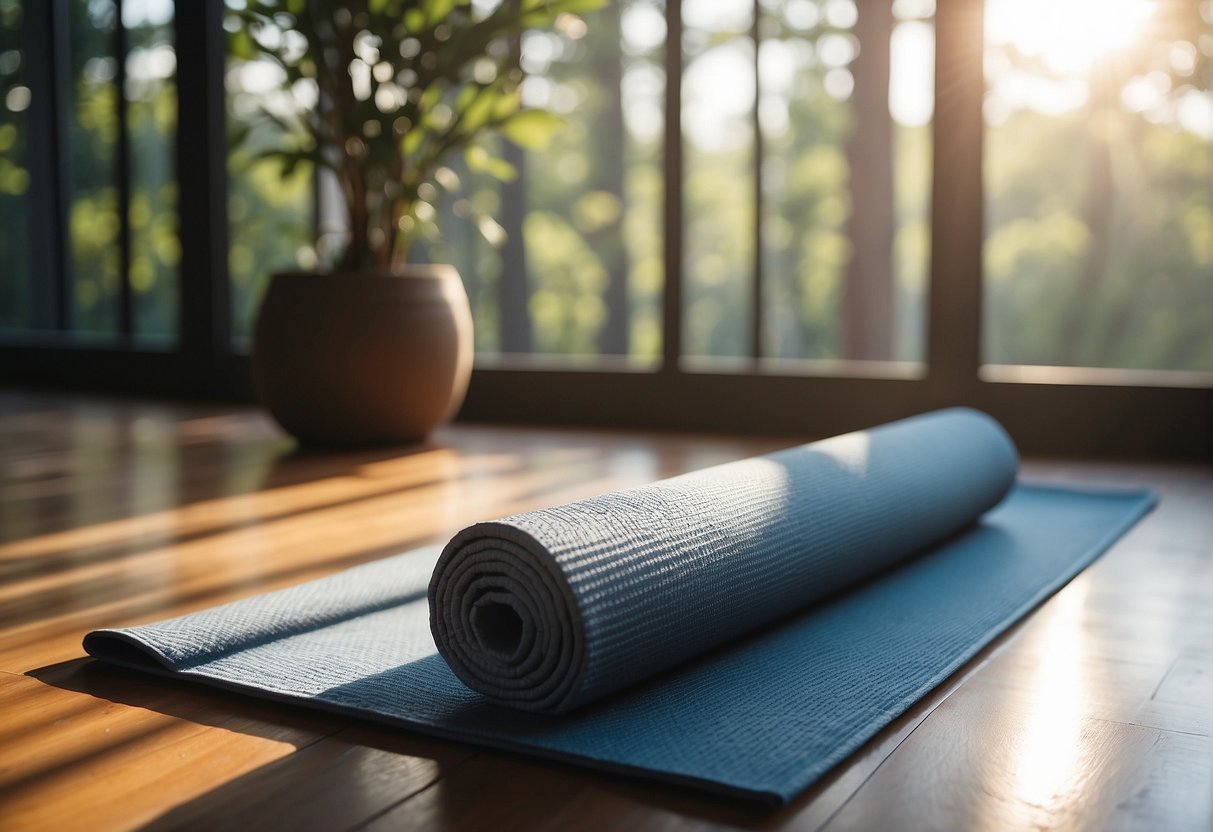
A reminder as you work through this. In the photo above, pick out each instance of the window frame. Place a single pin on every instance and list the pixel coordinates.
(1053, 411)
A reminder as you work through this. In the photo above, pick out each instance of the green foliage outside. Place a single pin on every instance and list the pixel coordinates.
(1099, 263)
(1148, 305)
(583, 226)
(93, 224)
(386, 92)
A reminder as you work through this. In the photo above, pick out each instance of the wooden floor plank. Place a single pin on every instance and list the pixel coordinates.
(1091, 714)
(1189, 681)
(984, 761)
(74, 761)
(339, 782)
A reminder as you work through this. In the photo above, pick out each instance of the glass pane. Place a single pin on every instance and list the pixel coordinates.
(578, 233)
(912, 106)
(565, 259)
(1099, 184)
(847, 95)
(270, 218)
(718, 190)
(94, 220)
(592, 229)
(471, 240)
(16, 312)
(643, 40)
(151, 117)
(87, 170)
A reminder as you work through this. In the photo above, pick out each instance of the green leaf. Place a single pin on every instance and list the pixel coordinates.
(436, 11)
(430, 98)
(412, 140)
(476, 157)
(576, 6)
(465, 97)
(241, 45)
(414, 20)
(532, 129)
(506, 106)
(502, 170)
(476, 114)
(480, 161)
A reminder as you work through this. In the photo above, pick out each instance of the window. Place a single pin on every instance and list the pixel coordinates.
(151, 118)
(807, 180)
(565, 260)
(87, 194)
(271, 218)
(569, 262)
(1099, 229)
(782, 216)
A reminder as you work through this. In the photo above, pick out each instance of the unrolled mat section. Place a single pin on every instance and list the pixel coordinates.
(740, 629)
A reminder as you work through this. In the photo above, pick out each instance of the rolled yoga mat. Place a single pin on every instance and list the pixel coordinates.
(740, 629)
(551, 609)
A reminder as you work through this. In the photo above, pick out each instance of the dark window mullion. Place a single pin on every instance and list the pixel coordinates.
(672, 205)
(46, 34)
(756, 296)
(122, 166)
(514, 288)
(954, 302)
(205, 313)
(868, 302)
(61, 152)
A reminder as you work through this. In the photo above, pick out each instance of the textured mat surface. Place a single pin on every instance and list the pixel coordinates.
(555, 608)
(760, 714)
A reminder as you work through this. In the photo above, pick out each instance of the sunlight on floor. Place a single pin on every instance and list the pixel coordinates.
(1047, 752)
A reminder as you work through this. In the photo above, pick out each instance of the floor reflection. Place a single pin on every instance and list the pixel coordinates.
(1045, 748)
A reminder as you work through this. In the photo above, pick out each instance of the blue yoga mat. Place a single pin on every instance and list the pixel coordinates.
(741, 629)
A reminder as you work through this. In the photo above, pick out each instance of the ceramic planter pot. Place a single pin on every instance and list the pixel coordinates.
(346, 358)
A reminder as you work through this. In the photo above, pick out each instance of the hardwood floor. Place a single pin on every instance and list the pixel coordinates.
(1093, 714)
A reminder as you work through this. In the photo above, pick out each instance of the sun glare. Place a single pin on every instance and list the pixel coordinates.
(1070, 36)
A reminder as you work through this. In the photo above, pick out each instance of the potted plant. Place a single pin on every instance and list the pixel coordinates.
(373, 349)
